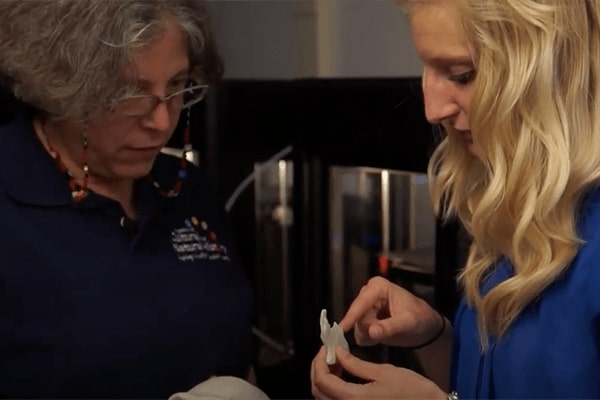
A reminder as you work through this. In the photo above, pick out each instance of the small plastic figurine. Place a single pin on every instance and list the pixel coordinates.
(331, 336)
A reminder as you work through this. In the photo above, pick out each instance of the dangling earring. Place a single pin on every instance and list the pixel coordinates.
(182, 174)
(78, 192)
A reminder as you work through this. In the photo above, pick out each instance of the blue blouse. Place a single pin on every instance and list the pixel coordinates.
(553, 348)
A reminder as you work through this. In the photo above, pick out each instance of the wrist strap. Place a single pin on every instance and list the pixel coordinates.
(434, 338)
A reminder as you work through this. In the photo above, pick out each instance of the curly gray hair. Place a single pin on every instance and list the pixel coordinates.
(66, 57)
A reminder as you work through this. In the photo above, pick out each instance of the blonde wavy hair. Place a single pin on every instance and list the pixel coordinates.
(66, 57)
(535, 114)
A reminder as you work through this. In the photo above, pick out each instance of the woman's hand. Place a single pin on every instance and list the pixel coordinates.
(386, 313)
(384, 381)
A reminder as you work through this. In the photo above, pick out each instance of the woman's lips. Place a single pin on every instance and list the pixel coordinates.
(146, 151)
(146, 148)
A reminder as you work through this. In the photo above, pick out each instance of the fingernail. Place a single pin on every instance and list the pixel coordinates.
(376, 332)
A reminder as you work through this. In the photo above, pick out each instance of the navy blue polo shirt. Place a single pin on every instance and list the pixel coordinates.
(89, 309)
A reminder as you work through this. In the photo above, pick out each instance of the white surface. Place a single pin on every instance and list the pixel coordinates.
(222, 388)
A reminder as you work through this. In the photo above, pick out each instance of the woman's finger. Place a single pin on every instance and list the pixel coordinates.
(368, 305)
(326, 384)
(314, 389)
(362, 328)
(369, 300)
(359, 307)
(355, 366)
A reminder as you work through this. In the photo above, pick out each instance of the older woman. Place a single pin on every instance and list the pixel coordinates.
(117, 276)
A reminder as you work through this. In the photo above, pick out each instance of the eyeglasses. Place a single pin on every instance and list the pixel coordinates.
(143, 104)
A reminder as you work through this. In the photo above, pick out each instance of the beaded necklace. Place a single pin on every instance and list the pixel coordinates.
(80, 192)
(182, 174)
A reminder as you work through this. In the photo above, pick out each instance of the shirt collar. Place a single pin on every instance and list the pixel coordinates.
(28, 171)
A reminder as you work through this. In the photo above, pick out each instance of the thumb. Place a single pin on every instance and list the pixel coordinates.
(386, 328)
(376, 331)
(357, 367)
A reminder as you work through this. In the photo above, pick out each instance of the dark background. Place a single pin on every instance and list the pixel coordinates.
(344, 122)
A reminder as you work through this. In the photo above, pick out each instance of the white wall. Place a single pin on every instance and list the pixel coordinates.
(279, 39)
(255, 38)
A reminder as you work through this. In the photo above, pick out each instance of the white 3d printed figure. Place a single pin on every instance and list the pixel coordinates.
(331, 336)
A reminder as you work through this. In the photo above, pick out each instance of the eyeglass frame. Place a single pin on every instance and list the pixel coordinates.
(156, 100)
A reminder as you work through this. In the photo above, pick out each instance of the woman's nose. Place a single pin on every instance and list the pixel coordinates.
(439, 98)
(160, 117)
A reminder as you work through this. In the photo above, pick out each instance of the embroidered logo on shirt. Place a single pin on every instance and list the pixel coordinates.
(195, 241)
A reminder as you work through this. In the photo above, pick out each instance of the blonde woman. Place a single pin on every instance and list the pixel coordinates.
(516, 85)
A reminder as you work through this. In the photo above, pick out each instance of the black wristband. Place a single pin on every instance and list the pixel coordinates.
(434, 338)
